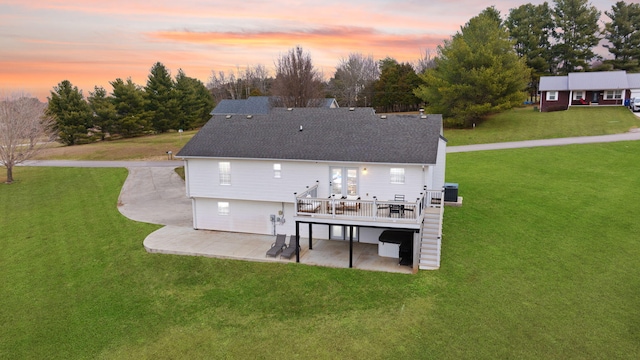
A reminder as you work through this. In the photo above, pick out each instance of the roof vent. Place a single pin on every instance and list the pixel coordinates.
(249, 116)
(383, 116)
(228, 116)
(423, 116)
(300, 128)
(289, 109)
(352, 109)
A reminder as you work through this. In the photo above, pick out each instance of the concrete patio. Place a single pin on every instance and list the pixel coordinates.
(179, 240)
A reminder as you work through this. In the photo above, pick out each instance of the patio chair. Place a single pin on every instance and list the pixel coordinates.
(396, 209)
(290, 249)
(277, 246)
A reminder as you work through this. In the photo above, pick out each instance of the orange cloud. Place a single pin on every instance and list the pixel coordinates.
(331, 39)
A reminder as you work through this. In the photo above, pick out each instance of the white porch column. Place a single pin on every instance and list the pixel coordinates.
(570, 97)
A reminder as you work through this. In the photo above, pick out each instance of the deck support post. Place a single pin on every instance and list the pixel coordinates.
(310, 237)
(350, 247)
(297, 241)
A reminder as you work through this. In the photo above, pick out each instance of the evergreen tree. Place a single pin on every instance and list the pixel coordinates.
(394, 90)
(104, 112)
(576, 34)
(530, 27)
(133, 118)
(623, 34)
(195, 101)
(71, 113)
(162, 99)
(477, 73)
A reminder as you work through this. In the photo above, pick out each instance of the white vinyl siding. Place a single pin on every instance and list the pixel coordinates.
(224, 170)
(552, 96)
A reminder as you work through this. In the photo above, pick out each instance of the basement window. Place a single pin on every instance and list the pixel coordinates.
(223, 208)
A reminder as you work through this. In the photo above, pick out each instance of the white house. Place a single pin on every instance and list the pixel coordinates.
(331, 173)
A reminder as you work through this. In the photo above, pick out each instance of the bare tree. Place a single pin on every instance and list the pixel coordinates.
(239, 83)
(297, 82)
(426, 61)
(353, 76)
(24, 130)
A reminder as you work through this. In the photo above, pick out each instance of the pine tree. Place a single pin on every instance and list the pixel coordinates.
(477, 73)
(162, 99)
(71, 113)
(576, 34)
(133, 118)
(623, 34)
(195, 101)
(104, 112)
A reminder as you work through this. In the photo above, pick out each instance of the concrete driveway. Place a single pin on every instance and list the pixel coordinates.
(155, 195)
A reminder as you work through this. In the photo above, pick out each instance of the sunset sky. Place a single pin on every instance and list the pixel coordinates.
(43, 42)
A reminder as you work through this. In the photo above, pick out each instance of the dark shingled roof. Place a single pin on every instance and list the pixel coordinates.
(341, 134)
(252, 105)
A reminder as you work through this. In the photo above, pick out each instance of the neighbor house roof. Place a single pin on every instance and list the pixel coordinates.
(320, 134)
(252, 105)
(553, 83)
(603, 80)
(256, 105)
(634, 81)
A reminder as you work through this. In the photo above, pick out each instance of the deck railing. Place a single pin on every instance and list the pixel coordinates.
(307, 203)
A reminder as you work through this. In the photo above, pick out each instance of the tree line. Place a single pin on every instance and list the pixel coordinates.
(130, 110)
(490, 65)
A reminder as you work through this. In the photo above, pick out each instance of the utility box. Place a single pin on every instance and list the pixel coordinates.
(451, 192)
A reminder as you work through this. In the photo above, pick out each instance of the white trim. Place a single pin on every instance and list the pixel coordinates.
(548, 95)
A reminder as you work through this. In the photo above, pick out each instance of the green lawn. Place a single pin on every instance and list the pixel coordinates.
(541, 262)
(527, 124)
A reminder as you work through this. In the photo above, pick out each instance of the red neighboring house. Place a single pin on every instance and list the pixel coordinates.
(611, 88)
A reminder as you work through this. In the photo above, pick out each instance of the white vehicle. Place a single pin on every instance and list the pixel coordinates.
(634, 104)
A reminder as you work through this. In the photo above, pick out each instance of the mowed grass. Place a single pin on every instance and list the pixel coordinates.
(151, 147)
(526, 124)
(541, 262)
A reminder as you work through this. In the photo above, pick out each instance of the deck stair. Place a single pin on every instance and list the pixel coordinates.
(431, 238)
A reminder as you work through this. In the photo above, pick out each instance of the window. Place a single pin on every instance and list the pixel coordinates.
(277, 171)
(552, 96)
(225, 173)
(613, 94)
(223, 208)
(341, 184)
(577, 95)
(397, 175)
